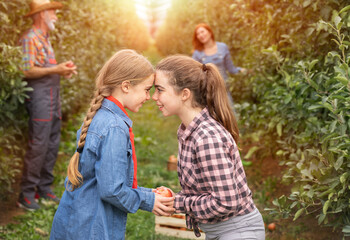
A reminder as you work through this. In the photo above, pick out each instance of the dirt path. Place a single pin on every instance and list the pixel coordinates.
(8, 212)
(8, 206)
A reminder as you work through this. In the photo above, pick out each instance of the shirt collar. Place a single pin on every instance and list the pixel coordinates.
(40, 33)
(184, 132)
(116, 107)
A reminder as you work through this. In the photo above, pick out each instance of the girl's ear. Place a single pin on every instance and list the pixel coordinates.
(125, 86)
(185, 94)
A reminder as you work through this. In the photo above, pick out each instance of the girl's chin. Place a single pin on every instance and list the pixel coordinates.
(135, 109)
(166, 114)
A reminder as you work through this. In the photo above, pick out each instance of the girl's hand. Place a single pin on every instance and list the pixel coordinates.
(163, 206)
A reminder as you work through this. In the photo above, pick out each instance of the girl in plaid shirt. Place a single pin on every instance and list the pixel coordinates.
(215, 196)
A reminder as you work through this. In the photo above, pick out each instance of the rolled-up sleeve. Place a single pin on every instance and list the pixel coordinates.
(29, 53)
(112, 175)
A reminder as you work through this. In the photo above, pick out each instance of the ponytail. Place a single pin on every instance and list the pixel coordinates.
(218, 102)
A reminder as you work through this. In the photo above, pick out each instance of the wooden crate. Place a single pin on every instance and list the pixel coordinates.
(175, 226)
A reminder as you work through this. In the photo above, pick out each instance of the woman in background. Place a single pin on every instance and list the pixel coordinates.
(207, 50)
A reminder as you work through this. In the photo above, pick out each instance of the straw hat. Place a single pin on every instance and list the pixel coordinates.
(41, 5)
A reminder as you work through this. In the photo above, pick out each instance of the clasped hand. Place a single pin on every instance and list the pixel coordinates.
(163, 206)
(67, 69)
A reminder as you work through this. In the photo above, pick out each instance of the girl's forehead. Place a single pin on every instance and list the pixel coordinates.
(160, 75)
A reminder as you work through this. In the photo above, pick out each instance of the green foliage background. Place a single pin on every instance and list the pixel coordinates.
(295, 104)
(87, 32)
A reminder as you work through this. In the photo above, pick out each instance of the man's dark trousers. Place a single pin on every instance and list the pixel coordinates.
(44, 110)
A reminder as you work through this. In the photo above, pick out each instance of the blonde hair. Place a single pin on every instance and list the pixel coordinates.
(206, 84)
(125, 65)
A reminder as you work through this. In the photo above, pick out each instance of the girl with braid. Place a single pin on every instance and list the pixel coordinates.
(215, 196)
(101, 187)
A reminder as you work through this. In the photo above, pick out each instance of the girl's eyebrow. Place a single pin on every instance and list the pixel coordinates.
(158, 86)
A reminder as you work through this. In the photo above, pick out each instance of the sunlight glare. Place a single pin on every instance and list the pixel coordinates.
(152, 12)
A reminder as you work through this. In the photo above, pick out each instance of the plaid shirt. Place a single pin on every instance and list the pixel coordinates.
(211, 174)
(37, 49)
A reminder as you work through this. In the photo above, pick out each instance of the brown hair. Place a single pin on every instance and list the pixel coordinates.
(205, 83)
(125, 65)
(197, 45)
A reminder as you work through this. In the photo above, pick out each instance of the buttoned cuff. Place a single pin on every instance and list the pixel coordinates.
(148, 203)
(179, 203)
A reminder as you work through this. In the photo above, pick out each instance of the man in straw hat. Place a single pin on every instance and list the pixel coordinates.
(42, 73)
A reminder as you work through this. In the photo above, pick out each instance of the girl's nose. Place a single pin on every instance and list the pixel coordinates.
(154, 97)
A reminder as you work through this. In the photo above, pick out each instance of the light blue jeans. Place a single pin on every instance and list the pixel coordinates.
(250, 226)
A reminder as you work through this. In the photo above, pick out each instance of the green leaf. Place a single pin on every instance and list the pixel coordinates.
(312, 107)
(330, 195)
(287, 99)
(338, 163)
(313, 84)
(337, 20)
(312, 64)
(279, 129)
(342, 79)
(306, 3)
(279, 152)
(325, 207)
(247, 163)
(251, 152)
(344, 9)
(321, 218)
(343, 177)
(328, 106)
(339, 25)
(336, 41)
(298, 213)
(293, 205)
(306, 173)
(333, 125)
(333, 54)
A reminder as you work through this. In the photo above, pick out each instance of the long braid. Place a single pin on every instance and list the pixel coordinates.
(217, 101)
(74, 176)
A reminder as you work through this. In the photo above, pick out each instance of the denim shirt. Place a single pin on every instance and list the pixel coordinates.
(222, 59)
(98, 209)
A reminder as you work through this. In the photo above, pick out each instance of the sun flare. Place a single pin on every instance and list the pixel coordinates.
(152, 12)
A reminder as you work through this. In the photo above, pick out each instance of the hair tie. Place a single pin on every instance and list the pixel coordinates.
(80, 149)
(204, 67)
